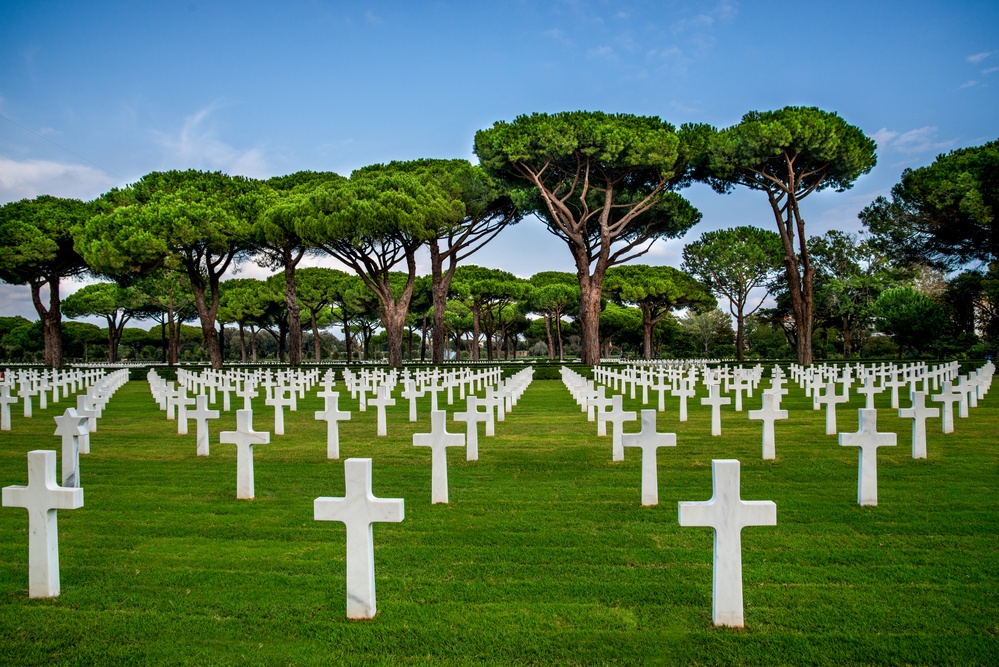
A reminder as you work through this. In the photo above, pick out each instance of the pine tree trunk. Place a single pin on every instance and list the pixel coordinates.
(740, 340)
(439, 292)
(294, 314)
(475, 332)
(589, 321)
(548, 333)
(207, 318)
(317, 346)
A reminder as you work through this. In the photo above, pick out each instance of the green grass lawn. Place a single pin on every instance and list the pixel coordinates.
(543, 556)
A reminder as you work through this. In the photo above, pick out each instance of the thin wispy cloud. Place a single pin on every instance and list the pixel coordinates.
(26, 179)
(920, 140)
(557, 35)
(976, 58)
(602, 52)
(968, 84)
(197, 146)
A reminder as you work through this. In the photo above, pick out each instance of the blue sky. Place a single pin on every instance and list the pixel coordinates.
(96, 94)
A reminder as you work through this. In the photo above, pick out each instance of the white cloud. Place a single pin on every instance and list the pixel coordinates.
(726, 10)
(990, 70)
(605, 52)
(920, 140)
(197, 146)
(976, 58)
(968, 84)
(25, 179)
(883, 137)
(557, 35)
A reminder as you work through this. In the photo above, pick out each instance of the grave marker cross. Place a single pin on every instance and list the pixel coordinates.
(6, 400)
(831, 399)
(332, 415)
(383, 401)
(868, 440)
(919, 412)
(438, 440)
(471, 417)
(244, 437)
(72, 427)
(947, 397)
(728, 514)
(715, 400)
(42, 497)
(201, 415)
(769, 413)
(358, 509)
(617, 416)
(649, 441)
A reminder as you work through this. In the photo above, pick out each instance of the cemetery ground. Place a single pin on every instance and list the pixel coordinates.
(544, 554)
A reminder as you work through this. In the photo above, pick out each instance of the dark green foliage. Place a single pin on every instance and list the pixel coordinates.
(603, 183)
(789, 154)
(943, 213)
(914, 321)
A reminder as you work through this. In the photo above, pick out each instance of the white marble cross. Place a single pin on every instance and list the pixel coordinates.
(201, 415)
(332, 415)
(6, 400)
(728, 514)
(597, 405)
(617, 416)
(962, 388)
(182, 401)
(438, 440)
(831, 399)
(868, 440)
(894, 381)
(248, 392)
(42, 497)
(947, 397)
(870, 390)
(492, 404)
(649, 441)
(26, 392)
(471, 417)
(381, 402)
(684, 390)
(739, 385)
(84, 409)
(498, 401)
(170, 393)
(433, 389)
(715, 400)
(768, 414)
(244, 437)
(358, 509)
(72, 427)
(410, 393)
(279, 401)
(918, 413)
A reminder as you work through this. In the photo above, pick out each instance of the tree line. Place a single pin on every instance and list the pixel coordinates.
(605, 184)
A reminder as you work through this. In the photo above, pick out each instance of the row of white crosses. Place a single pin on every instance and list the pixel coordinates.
(26, 384)
(43, 496)
(726, 513)
(245, 437)
(867, 438)
(359, 508)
